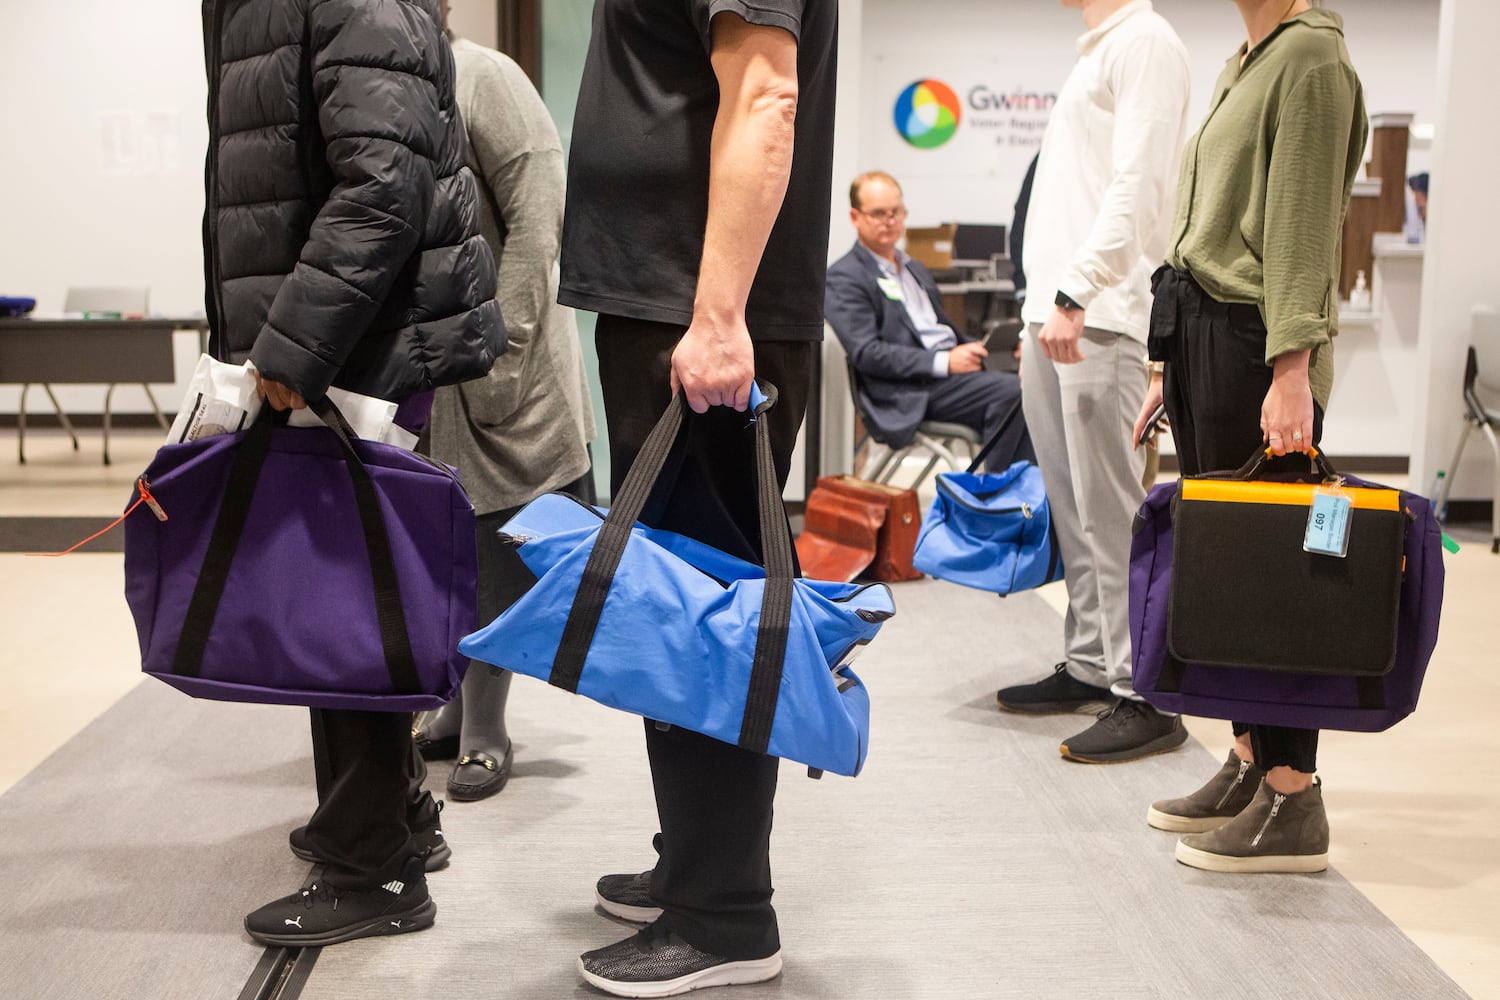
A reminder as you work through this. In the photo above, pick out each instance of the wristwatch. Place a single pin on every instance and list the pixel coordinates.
(1066, 304)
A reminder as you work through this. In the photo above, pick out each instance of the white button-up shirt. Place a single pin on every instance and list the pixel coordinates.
(1101, 205)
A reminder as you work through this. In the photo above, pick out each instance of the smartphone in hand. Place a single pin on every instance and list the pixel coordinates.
(1154, 425)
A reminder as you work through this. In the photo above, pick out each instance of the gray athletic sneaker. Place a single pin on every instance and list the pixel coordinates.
(627, 897)
(1128, 730)
(654, 962)
(1213, 805)
(1059, 693)
(1274, 833)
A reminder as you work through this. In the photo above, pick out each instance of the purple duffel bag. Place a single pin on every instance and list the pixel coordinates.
(1282, 698)
(302, 566)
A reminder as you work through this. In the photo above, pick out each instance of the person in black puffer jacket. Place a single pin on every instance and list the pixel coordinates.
(342, 248)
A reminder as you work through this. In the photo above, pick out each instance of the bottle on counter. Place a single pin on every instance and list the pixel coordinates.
(1359, 295)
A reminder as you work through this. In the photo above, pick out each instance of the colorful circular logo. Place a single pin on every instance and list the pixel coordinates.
(927, 114)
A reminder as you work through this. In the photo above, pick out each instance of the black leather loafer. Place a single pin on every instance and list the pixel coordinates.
(478, 775)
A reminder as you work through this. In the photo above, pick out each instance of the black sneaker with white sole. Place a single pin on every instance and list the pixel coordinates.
(627, 897)
(1129, 730)
(324, 914)
(654, 962)
(1059, 694)
(426, 840)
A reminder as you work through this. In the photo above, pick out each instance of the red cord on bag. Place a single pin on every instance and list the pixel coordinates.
(144, 488)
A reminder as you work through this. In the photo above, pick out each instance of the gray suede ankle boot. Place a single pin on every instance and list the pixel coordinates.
(1213, 805)
(1274, 833)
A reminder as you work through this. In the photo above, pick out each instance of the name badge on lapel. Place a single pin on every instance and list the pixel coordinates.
(892, 289)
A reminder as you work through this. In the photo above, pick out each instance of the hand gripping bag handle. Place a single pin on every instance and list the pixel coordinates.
(615, 533)
(230, 525)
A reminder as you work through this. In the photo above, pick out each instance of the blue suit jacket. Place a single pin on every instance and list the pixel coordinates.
(895, 370)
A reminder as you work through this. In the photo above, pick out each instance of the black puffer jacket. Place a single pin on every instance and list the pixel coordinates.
(341, 239)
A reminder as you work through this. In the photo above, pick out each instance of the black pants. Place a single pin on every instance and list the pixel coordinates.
(713, 800)
(370, 795)
(982, 400)
(1216, 380)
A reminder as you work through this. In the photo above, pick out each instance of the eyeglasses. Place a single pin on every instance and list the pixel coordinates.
(885, 214)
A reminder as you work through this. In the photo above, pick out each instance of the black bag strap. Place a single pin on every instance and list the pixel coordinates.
(234, 510)
(994, 440)
(776, 605)
(609, 547)
(1317, 463)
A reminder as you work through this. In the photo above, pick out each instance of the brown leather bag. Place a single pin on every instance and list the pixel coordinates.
(853, 526)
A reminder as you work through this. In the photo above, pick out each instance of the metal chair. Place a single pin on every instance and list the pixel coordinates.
(937, 437)
(1481, 371)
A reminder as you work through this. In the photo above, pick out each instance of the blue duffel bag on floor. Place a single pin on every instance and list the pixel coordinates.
(991, 531)
(666, 627)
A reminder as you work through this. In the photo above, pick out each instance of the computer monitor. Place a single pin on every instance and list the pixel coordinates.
(975, 245)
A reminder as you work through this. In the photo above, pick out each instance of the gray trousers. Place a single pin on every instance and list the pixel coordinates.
(1080, 417)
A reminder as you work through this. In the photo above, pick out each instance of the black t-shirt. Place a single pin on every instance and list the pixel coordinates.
(638, 172)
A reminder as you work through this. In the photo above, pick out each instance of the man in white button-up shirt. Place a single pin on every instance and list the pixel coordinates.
(1101, 209)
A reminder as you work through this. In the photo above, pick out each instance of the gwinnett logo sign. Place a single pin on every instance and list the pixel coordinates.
(927, 114)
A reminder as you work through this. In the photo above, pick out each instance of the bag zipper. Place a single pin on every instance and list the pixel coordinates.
(1025, 510)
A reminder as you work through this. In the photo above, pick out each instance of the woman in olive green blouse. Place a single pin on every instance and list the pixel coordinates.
(1244, 319)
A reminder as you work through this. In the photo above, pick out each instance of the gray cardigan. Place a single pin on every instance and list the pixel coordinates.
(522, 430)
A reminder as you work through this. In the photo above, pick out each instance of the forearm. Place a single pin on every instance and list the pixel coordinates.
(1291, 366)
(750, 163)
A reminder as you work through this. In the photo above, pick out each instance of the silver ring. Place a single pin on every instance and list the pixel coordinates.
(1296, 435)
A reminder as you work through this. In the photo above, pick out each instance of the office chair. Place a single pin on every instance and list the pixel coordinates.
(1481, 370)
(938, 438)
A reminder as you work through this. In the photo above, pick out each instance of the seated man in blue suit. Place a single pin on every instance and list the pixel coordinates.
(913, 363)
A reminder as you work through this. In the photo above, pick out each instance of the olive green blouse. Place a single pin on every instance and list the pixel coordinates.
(1266, 181)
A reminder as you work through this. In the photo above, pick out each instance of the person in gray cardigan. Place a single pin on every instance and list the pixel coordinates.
(524, 429)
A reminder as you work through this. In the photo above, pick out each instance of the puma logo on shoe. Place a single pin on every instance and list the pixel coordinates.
(395, 886)
(295, 923)
(396, 924)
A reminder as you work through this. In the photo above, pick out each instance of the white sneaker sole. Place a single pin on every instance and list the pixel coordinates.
(634, 914)
(1302, 864)
(728, 974)
(1158, 820)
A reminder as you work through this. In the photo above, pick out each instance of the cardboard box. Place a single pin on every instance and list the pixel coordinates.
(932, 247)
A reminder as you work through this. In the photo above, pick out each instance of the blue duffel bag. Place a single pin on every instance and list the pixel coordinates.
(991, 531)
(666, 627)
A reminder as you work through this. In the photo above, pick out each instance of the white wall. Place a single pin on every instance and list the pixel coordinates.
(1028, 46)
(476, 20)
(1462, 220)
(103, 170)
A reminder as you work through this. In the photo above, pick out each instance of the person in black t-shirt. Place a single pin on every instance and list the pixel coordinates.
(699, 190)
